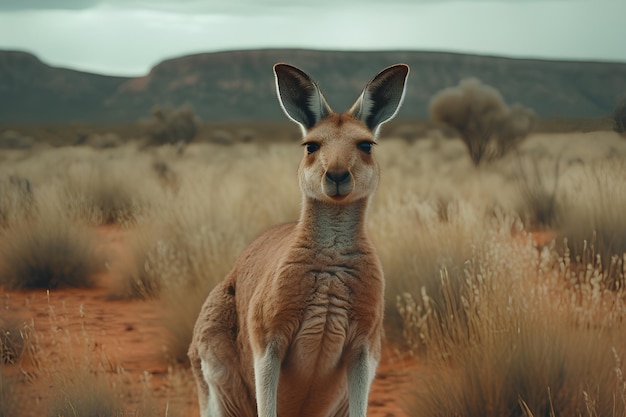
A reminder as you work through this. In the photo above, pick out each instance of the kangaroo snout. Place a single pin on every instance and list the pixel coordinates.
(338, 177)
(338, 183)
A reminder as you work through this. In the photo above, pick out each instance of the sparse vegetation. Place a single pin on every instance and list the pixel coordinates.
(171, 126)
(11, 339)
(48, 252)
(16, 200)
(619, 116)
(103, 194)
(489, 128)
(539, 207)
(511, 359)
(83, 393)
(498, 326)
(593, 227)
(199, 241)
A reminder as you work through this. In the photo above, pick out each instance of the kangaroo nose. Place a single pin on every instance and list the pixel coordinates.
(338, 177)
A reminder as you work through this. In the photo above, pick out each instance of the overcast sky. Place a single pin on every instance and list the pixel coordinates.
(128, 37)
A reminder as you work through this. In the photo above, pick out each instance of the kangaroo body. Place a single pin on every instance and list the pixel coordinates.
(295, 328)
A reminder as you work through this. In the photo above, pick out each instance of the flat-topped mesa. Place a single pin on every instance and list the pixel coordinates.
(296, 326)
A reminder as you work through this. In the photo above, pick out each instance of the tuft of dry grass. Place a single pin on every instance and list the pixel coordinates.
(429, 258)
(539, 206)
(528, 344)
(592, 223)
(104, 193)
(528, 367)
(84, 393)
(138, 280)
(16, 199)
(12, 343)
(48, 252)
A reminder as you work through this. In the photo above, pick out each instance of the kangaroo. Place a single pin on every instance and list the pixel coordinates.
(295, 329)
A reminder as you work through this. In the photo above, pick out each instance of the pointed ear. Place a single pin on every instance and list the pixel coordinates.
(300, 97)
(381, 99)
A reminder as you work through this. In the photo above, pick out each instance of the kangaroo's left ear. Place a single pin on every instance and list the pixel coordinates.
(381, 98)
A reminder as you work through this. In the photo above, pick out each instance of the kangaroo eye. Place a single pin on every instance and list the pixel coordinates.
(311, 147)
(365, 147)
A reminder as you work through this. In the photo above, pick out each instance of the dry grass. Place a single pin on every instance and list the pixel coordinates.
(593, 225)
(48, 252)
(16, 200)
(508, 329)
(83, 393)
(198, 241)
(77, 375)
(529, 345)
(107, 192)
(12, 343)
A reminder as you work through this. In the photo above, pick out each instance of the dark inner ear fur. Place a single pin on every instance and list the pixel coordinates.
(386, 94)
(299, 95)
(383, 96)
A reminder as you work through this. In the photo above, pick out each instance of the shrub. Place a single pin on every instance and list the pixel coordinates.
(172, 126)
(48, 253)
(488, 127)
(619, 116)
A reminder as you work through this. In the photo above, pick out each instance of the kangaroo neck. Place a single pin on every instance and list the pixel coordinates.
(329, 225)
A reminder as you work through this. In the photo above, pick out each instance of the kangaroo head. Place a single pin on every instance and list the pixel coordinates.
(338, 165)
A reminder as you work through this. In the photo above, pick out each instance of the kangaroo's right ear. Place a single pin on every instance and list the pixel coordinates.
(382, 97)
(300, 97)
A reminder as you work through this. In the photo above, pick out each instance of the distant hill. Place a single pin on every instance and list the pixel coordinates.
(239, 85)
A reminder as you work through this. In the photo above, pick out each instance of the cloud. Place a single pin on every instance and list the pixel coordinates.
(13, 5)
(129, 36)
(233, 7)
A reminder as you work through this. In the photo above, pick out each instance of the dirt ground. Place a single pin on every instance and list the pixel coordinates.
(125, 340)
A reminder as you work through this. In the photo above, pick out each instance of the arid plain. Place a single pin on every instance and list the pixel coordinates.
(504, 282)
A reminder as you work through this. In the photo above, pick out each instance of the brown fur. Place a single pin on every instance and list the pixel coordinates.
(309, 292)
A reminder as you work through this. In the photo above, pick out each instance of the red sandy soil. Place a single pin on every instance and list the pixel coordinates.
(74, 324)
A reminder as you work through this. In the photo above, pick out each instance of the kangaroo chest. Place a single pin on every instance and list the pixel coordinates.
(324, 308)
